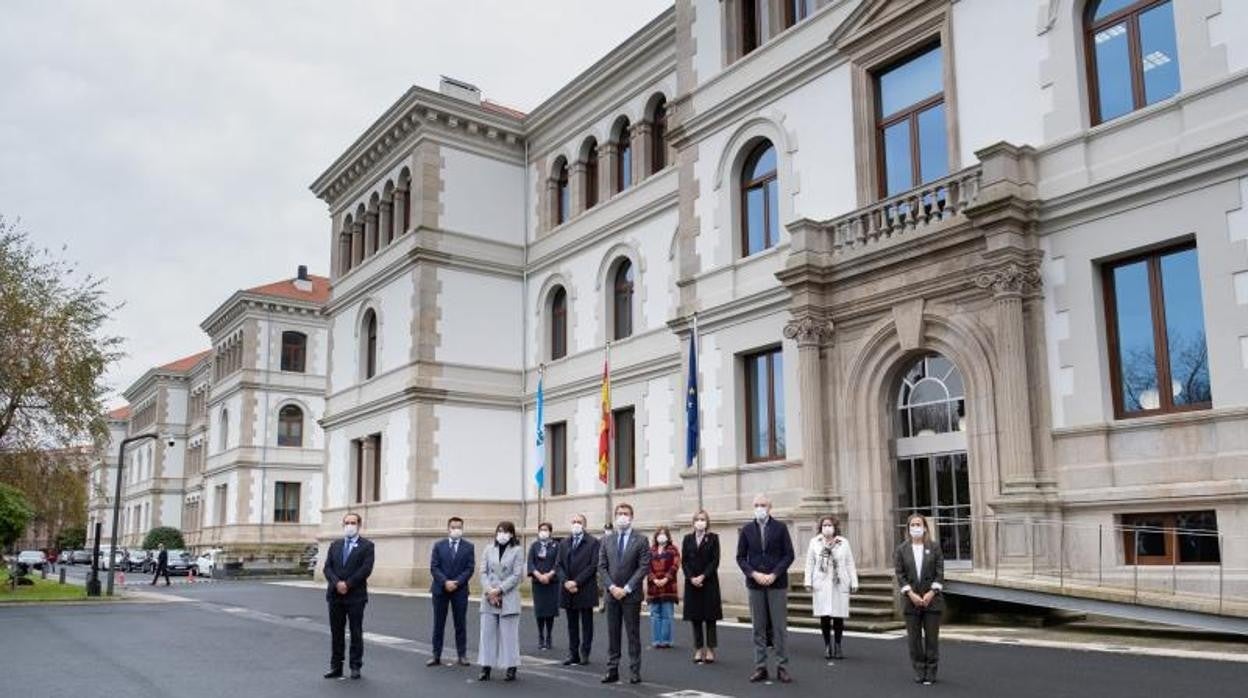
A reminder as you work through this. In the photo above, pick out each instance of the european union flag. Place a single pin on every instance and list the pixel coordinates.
(691, 403)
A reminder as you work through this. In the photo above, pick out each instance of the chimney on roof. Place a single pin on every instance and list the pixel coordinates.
(302, 282)
(460, 90)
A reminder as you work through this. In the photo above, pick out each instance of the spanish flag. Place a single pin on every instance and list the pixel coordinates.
(604, 425)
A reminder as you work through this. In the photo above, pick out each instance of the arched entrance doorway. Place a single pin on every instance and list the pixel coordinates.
(931, 475)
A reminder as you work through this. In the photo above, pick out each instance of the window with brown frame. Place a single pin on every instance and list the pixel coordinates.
(623, 429)
(286, 502)
(294, 351)
(760, 200)
(797, 10)
(370, 344)
(591, 175)
(557, 457)
(658, 137)
(376, 464)
(1171, 538)
(563, 199)
(1132, 55)
(1156, 329)
(623, 159)
(290, 426)
(358, 490)
(753, 12)
(764, 405)
(622, 300)
(910, 122)
(558, 323)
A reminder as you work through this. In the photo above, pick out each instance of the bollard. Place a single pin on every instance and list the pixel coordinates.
(43, 571)
(62, 575)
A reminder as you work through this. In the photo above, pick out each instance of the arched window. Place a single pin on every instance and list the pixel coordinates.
(558, 323)
(290, 426)
(1133, 58)
(591, 173)
(294, 351)
(348, 228)
(622, 300)
(931, 399)
(224, 441)
(404, 192)
(623, 158)
(753, 14)
(760, 200)
(563, 197)
(658, 137)
(369, 345)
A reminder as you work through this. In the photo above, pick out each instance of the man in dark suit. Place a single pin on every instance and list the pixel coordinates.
(162, 565)
(623, 561)
(578, 568)
(920, 569)
(451, 564)
(348, 563)
(764, 554)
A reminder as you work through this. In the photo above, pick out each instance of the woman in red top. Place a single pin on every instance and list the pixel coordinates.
(661, 587)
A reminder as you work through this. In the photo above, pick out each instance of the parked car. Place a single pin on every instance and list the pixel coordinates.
(80, 557)
(180, 562)
(65, 558)
(33, 559)
(206, 563)
(137, 560)
(107, 561)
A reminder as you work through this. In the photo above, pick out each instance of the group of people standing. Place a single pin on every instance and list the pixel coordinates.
(623, 568)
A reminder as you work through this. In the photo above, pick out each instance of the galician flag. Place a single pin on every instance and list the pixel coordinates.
(691, 403)
(540, 445)
(604, 425)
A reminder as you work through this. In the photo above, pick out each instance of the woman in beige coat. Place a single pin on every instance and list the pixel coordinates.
(832, 576)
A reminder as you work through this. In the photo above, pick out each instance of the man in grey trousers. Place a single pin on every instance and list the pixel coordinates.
(623, 561)
(764, 554)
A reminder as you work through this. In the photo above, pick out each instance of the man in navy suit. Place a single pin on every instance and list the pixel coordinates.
(348, 565)
(452, 564)
(764, 554)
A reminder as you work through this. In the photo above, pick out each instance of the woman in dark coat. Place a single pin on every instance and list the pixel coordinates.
(543, 556)
(699, 555)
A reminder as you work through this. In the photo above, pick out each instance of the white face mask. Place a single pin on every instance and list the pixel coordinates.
(699, 525)
(760, 513)
(457, 533)
(623, 521)
(350, 530)
(916, 531)
(661, 540)
(829, 530)
(577, 529)
(543, 534)
(502, 537)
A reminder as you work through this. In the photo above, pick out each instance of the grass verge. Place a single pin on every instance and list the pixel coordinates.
(43, 590)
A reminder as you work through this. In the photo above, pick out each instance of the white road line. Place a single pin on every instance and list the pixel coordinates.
(1098, 647)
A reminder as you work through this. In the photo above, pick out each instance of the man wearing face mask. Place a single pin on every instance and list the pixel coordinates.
(348, 564)
(578, 594)
(622, 564)
(764, 554)
(452, 563)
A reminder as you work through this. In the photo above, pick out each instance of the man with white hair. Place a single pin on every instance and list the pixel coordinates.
(765, 553)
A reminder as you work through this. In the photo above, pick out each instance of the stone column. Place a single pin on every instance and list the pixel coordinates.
(607, 153)
(344, 252)
(387, 223)
(1010, 282)
(819, 476)
(400, 211)
(357, 243)
(641, 143)
(370, 233)
(549, 211)
(576, 187)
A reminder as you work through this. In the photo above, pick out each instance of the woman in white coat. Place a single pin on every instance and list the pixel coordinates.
(832, 576)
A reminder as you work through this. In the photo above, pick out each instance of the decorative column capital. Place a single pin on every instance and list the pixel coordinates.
(1012, 279)
(809, 330)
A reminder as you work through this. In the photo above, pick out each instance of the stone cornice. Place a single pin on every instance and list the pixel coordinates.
(241, 302)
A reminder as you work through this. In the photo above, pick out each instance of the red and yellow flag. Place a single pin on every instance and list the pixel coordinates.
(604, 426)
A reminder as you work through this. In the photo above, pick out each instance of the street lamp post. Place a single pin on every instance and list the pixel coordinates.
(121, 464)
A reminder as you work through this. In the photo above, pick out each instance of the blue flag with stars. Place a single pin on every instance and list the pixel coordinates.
(691, 404)
(539, 475)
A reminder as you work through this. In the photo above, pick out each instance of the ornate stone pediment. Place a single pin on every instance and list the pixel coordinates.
(874, 17)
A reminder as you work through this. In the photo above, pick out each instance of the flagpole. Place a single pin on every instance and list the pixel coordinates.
(697, 454)
(607, 416)
(541, 374)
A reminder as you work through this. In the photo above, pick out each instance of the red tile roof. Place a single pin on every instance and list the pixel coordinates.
(185, 363)
(286, 289)
(122, 412)
(501, 109)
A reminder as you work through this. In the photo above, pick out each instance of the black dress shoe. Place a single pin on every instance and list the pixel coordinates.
(758, 676)
(571, 661)
(836, 651)
(634, 679)
(611, 677)
(434, 661)
(333, 674)
(510, 675)
(484, 675)
(463, 661)
(355, 673)
(782, 675)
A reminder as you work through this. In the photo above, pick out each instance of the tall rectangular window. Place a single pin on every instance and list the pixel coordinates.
(1156, 329)
(357, 462)
(220, 503)
(294, 351)
(764, 405)
(910, 122)
(376, 464)
(625, 449)
(557, 457)
(1133, 57)
(286, 502)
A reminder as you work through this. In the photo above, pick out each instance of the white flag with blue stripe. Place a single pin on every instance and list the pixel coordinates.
(540, 451)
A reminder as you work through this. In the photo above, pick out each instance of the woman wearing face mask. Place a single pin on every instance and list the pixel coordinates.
(543, 555)
(699, 554)
(661, 587)
(920, 569)
(501, 571)
(832, 576)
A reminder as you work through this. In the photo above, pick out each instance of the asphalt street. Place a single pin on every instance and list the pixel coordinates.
(252, 639)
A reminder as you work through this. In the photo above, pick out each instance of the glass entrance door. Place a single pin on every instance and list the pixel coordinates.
(938, 487)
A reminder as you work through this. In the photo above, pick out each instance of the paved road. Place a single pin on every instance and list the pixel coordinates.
(249, 639)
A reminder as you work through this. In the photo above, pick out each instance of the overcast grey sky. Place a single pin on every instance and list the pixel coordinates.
(170, 144)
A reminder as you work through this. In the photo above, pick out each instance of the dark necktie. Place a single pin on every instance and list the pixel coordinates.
(346, 550)
(576, 542)
(454, 549)
(621, 547)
